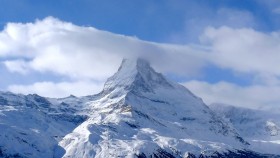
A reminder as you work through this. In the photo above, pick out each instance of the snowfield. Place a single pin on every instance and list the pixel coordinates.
(139, 113)
(260, 128)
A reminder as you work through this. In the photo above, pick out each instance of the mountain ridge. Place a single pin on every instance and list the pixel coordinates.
(257, 126)
(140, 99)
(139, 113)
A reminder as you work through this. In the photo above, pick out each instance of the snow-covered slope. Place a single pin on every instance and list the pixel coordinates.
(139, 113)
(31, 126)
(260, 128)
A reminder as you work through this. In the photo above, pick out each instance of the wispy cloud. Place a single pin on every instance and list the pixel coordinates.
(276, 10)
(56, 90)
(202, 18)
(254, 96)
(244, 50)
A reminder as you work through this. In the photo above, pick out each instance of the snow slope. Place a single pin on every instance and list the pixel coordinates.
(260, 128)
(31, 127)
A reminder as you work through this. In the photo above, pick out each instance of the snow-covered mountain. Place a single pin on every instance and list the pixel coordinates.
(139, 113)
(260, 128)
(31, 126)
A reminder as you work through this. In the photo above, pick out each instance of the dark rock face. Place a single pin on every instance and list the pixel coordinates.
(243, 154)
(160, 153)
(40, 101)
(3, 101)
(3, 155)
(75, 119)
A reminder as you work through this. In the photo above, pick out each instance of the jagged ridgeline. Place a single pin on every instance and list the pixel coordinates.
(139, 113)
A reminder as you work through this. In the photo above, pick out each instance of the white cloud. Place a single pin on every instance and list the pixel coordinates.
(61, 89)
(19, 66)
(51, 45)
(80, 53)
(244, 50)
(254, 96)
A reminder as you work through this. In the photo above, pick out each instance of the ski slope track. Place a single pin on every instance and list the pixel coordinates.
(139, 113)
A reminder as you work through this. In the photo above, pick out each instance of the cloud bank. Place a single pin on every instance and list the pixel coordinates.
(82, 54)
(254, 96)
(247, 52)
(85, 57)
(244, 50)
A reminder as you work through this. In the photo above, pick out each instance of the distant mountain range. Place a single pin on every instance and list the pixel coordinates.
(139, 113)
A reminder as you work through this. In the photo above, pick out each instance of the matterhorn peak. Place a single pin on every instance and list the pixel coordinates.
(135, 74)
(138, 114)
(135, 63)
(141, 114)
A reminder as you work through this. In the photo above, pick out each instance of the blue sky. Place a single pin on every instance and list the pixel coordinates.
(148, 20)
(251, 28)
